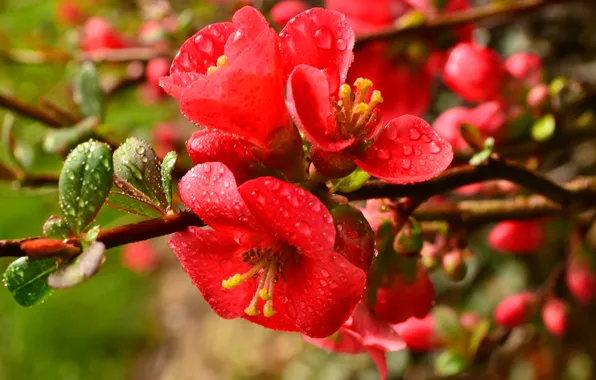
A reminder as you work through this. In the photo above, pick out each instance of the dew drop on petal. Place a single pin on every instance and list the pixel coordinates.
(323, 38)
(324, 272)
(323, 282)
(293, 201)
(303, 228)
(204, 43)
(425, 138)
(434, 148)
(383, 154)
(414, 134)
(315, 206)
(341, 44)
(407, 150)
(417, 152)
(406, 163)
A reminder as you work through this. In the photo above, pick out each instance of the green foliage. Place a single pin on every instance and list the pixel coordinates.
(85, 182)
(450, 363)
(56, 228)
(87, 93)
(27, 280)
(544, 128)
(167, 166)
(352, 182)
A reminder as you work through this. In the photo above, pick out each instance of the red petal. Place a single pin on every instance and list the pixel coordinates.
(517, 236)
(286, 10)
(419, 334)
(408, 150)
(322, 293)
(291, 213)
(231, 150)
(209, 257)
(310, 107)
(355, 239)
(344, 341)
(378, 356)
(322, 39)
(249, 24)
(374, 332)
(210, 191)
(196, 55)
(367, 16)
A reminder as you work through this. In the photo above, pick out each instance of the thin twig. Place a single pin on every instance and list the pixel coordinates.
(30, 111)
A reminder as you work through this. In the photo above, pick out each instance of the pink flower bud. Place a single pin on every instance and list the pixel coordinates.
(554, 316)
(99, 34)
(515, 310)
(581, 281)
(538, 96)
(526, 67)
(516, 236)
(418, 334)
(474, 72)
(157, 68)
(332, 164)
(284, 11)
(139, 257)
(69, 13)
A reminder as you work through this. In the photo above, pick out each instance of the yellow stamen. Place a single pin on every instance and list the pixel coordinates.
(376, 98)
(360, 108)
(222, 60)
(362, 85)
(238, 278)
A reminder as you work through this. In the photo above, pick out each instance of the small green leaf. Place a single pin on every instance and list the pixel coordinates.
(167, 165)
(85, 266)
(478, 335)
(544, 128)
(27, 280)
(92, 234)
(62, 139)
(84, 184)
(56, 228)
(133, 205)
(411, 19)
(557, 85)
(450, 363)
(87, 92)
(352, 182)
(447, 324)
(136, 163)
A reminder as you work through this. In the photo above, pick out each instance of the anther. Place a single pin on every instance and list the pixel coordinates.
(221, 62)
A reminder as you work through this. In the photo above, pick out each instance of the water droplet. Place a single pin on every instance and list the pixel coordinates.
(315, 206)
(422, 162)
(293, 201)
(407, 150)
(341, 44)
(273, 185)
(303, 228)
(383, 154)
(328, 218)
(144, 159)
(323, 282)
(406, 163)
(226, 184)
(140, 150)
(207, 168)
(414, 134)
(417, 152)
(70, 175)
(425, 138)
(323, 37)
(434, 148)
(204, 43)
(324, 272)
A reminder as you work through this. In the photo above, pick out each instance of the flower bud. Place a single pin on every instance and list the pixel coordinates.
(474, 72)
(332, 164)
(526, 67)
(454, 265)
(516, 236)
(515, 310)
(538, 96)
(418, 334)
(99, 34)
(284, 11)
(429, 255)
(554, 316)
(581, 281)
(156, 68)
(404, 298)
(139, 257)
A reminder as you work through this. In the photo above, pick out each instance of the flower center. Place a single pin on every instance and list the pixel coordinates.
(222, 60)
(352, 111)
(268, 263)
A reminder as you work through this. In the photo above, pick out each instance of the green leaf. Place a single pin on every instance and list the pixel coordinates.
(411, 19)
(478, 335)
(85, 266)
(447, 324)
(92, 234)
(472, 136)
(544, 128)
(87, 92)
(352, 182)
(62, 139)
(56, 228)
(133, 205)
(84, 184)
(450, 363)
(136, 163)
(27, 280)
(167, 166)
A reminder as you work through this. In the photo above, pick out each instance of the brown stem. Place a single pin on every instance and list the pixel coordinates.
(506, 11)
(30, 111)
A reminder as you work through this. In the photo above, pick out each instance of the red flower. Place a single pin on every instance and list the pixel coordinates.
(271, 247)
(364, 333)
(516, 236)
(406, 150)
(99, 34)
(377, 213)
(140, 257)
(515, 310)
(69, 13)
(554, 316)
(487, 117)
(156, 68)
(229, 76)
(403, 298)
(474, 72)
(368, 16)
(526, 67)
(418, 334)
(286, 10)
